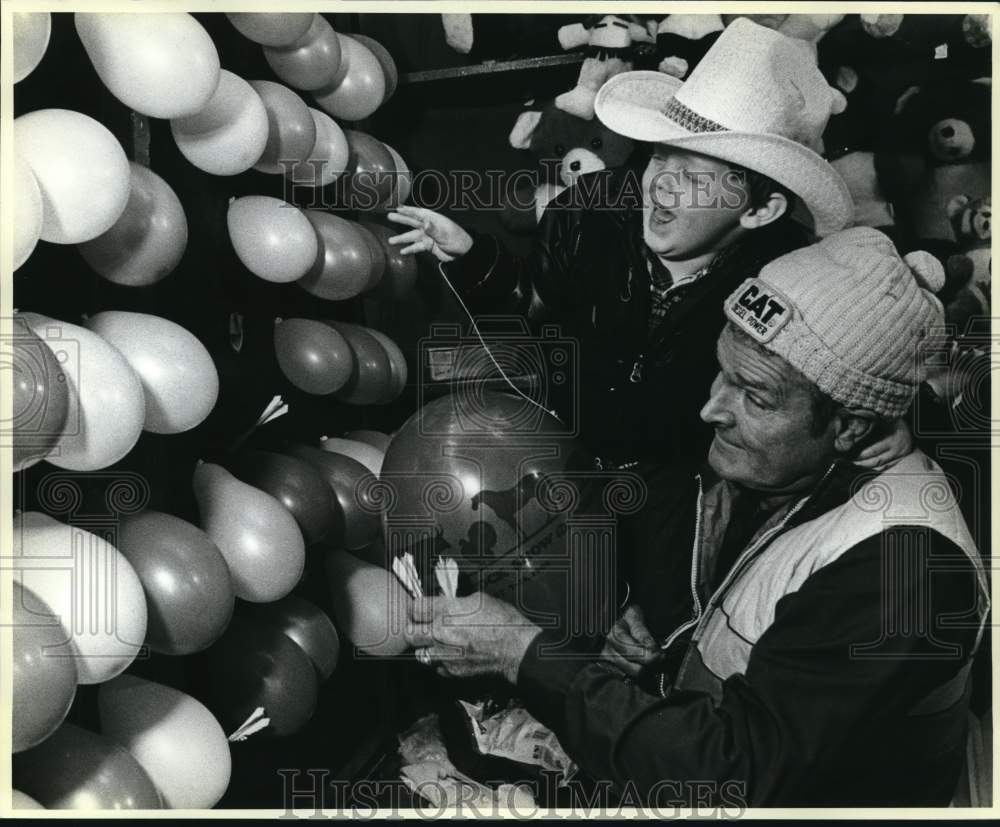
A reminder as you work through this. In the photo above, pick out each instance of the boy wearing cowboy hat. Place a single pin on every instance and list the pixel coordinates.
(734, 155)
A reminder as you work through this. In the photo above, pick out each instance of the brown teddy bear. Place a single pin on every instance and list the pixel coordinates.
(566, 147)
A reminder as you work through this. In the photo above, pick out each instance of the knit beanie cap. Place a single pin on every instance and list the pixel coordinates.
(850, 314)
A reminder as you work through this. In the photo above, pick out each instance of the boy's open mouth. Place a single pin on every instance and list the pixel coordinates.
(660, 217)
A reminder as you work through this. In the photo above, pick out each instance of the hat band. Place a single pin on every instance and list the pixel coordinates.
(689, 119)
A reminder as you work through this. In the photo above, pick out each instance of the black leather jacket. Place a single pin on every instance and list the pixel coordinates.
(631, 395)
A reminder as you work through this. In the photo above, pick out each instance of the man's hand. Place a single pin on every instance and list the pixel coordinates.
(895, 445)
(630, 646)
(468, 636)
(432, 233)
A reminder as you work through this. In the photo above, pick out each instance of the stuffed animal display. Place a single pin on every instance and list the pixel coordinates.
(966, 296)
(683, 39)
(938, 149)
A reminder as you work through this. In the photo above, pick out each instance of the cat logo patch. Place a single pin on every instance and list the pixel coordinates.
(759, 310)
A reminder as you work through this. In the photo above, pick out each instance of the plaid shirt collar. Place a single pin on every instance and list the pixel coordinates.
(661, 280)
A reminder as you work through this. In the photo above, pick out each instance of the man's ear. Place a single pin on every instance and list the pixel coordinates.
(776, 206)
(851, 428)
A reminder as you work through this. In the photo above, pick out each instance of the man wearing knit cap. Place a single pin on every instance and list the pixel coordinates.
(813, 647)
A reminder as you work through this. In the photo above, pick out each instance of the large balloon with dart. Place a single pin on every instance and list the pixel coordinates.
(493, 481)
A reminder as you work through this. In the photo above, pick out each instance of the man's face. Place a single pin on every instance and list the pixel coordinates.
(763, 415)
(691, 203)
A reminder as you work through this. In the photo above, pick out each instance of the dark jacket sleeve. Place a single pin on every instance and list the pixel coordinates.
(806, 693)
(543, 283)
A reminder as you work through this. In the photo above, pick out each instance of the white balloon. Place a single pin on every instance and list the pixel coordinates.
(31, 38)
(229, 134)
(162, 65)
(27, 212)
(368, 455)
(107, 407)
(329, 155)
(178, 742)
(81, 171)
(272, 238)
(179, 379)
(89, 584)
(369, 603)
(358, 92)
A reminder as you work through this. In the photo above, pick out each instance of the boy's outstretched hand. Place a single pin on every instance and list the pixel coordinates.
(431, 233)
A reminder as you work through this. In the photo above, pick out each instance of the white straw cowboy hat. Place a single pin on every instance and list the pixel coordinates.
(756, 100)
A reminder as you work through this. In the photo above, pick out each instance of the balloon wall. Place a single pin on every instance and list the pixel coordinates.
(216, 393)
(204, 301)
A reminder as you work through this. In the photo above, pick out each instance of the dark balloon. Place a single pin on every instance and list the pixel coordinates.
(378, 257)
(400, 271)
(147, 242)
(313, 356)
(492, 481)
(343, 268)
(371, 171)
(385, 61)
(306, 625)
(75, 769)
(291, 131)
(189, 591)
(45, 675)
(372, 380)
(351, 484)
(296, 485)
(41, 397)
(256, 665)
(310, 62)
(398, 370)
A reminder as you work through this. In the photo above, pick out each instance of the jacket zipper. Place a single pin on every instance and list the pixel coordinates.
(695, 558)
(734, 572)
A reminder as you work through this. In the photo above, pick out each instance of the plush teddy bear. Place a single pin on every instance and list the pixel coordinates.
(566, 148)
(609, 41)
(966, 296)
(938, 148)
(971, 221)
(683, 39)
